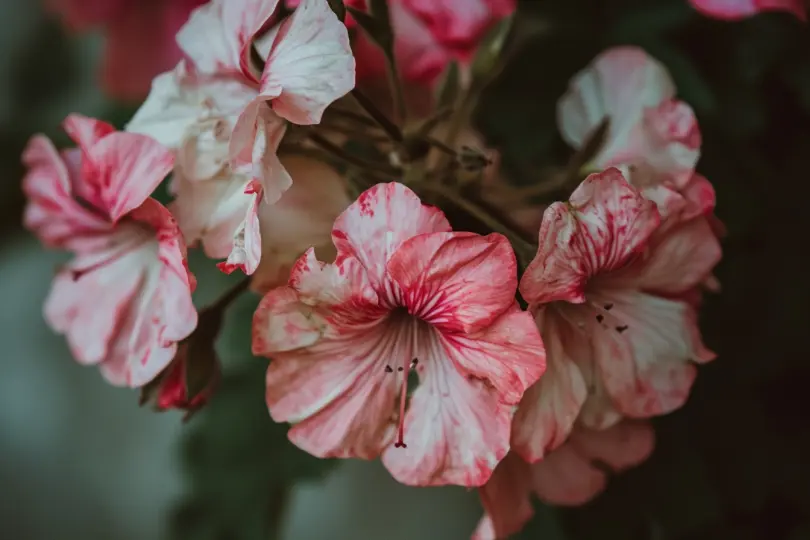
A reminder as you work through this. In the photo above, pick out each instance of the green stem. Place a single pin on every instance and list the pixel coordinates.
(349, 159)
(384, 122)
(395, 83)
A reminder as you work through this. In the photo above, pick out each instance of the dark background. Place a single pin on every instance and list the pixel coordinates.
(733, 464)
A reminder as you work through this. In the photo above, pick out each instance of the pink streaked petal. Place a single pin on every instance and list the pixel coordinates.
(379, 221)
(604, 224)
(89, 326)
(672, 140)
(85, 131)
(506, 499)
(548, 410)
(646, 367)
(619, 84)
(568, 477)
(734, 10)
(52, 213)
(419, 53)
(679, 259)
(125, 169)
(254, 142)
(247, 241)
(282, 322)
(310, 64)
(242, 20)
(459, 282)
(456, 429)
(460, 25)
(508, 354)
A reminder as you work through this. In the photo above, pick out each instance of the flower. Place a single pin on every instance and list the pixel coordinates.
(173, 391)
(225, 117)
(131, 61)
(610, 285)
(405, 294)
(430, 34)
(124, 300)
(649, 127)
(569, 476)
(733, 10)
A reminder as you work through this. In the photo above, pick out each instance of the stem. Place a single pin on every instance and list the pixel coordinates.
(230, 295)
(388, 126)
(395, 83)
(355, 116)
(349, 159)
(457, 121)
(353, 132)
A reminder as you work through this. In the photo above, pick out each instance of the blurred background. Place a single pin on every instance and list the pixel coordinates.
(80, 459)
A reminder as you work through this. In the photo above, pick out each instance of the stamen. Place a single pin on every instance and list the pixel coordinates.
(600, 318)
(402, 399)
(608, 306)
(400, 369)
(621, 329)
(388, 369)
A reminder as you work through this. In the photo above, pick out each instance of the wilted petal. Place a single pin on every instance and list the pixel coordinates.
(247, 241)
(605, 223)
(377, 223)
(310, 64)
(254, 142)
(548, 410)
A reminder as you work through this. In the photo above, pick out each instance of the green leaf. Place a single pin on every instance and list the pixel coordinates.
(449, 86)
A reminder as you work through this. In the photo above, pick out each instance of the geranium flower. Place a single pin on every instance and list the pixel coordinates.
(569, 476)
(649, 128)
(733, 10)
(124, 300)
(131, 59)
(405, 294)
(225, 116)
(610, 286)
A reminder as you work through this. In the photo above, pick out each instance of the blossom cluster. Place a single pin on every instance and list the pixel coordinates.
(509, 359)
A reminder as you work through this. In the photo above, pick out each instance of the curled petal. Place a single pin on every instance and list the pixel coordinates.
(733, 10)
(620, 84)
(247, 242)
(52, 213)
(604, 224)
(310, 64)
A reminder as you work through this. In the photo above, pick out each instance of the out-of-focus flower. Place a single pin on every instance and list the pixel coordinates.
(124, 300)
(429, 34)
(733, 10)
(140, 38)
(649, 127)
(569, 476)
(225, 116)
(405, 294)
(609, 284)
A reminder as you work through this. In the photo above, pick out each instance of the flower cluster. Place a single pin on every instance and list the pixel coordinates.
(509, 359)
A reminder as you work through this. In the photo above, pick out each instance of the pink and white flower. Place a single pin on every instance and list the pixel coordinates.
(567, 477)
(430, 34)
(733, 10)
(225, 117)
(131, 59)
(404, 294)
(649, 127)
(124, 300)
(610, 286)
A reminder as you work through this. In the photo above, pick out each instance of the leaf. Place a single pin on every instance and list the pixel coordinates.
(449, 87)
(487, 58)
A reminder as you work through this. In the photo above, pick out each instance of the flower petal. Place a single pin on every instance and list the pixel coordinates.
(254, 142)
(605, 223)
(52, 213)
(459, 282)
(645, 364)
(733, 10)
(619, 84)
(247, 241)
(549, 408)
(506, 499)
(310, 65)
(377, 223)
(456, 429)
